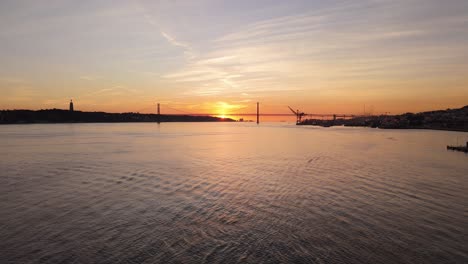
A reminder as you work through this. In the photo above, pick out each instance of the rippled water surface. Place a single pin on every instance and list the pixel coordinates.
(226, 193)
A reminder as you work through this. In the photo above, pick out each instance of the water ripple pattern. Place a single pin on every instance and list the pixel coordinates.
(230, 193)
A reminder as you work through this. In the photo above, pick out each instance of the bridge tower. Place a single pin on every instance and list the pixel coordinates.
(258, 113)
(159, 113)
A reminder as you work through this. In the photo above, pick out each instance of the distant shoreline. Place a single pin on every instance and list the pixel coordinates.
(388, 128)
(447, 120)
(58, 116)
(116, 122)
(151, 122)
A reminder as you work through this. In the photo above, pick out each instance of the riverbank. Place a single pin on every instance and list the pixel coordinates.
(449, 120)
(65, 116)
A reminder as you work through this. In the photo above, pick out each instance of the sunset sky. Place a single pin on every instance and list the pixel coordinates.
(221, 57)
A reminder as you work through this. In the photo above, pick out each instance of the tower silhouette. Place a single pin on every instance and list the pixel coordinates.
(71, 105)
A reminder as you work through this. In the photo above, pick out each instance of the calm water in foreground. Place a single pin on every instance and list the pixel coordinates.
(225, 193)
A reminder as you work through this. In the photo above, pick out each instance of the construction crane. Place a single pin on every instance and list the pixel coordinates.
(298, 114)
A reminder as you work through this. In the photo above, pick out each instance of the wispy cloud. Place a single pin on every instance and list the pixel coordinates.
(337, 47)
(174, 42)
(186, 47)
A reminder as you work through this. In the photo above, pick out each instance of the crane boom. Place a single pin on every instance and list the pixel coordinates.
(292, 110)
(298, 115)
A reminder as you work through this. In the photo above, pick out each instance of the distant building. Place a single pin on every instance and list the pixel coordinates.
(71, 105)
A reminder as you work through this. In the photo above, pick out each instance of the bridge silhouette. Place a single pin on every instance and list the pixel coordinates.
(258, 114)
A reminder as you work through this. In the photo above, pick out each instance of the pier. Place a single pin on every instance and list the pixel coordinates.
(459, 148)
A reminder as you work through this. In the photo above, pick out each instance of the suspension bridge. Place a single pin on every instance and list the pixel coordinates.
(296, 113)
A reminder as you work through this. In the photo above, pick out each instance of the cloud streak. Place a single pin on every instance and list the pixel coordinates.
(186, 47)
(337, 47)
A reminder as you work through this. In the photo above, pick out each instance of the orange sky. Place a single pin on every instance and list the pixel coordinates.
(212, 57)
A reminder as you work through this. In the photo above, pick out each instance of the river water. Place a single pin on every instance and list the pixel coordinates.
(230, 193)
